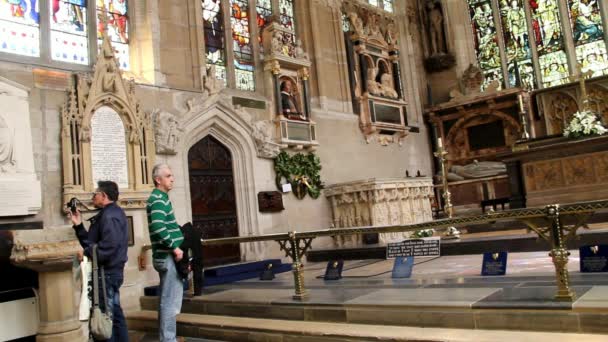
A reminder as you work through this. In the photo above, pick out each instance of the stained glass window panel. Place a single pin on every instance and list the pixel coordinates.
(554, 69)
(243, 56)
(515, 30)
(244, 80)
(214, 37)
(586, 21)
(492, 77)
(521, 73)
(117, 17)
(546, 26)
(263, 12)
(69, 31)
(373, 2)
(19, 28)
(593, 58)
(486, 40)
(286, 11)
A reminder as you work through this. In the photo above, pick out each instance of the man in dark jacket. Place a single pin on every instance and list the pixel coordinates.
(108, 231)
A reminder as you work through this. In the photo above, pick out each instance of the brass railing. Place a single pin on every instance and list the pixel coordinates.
(554, 223)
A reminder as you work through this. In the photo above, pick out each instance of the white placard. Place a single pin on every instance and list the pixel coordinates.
(286, 187)
(108, 148)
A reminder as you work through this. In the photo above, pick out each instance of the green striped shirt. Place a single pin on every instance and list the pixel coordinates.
(165, 234)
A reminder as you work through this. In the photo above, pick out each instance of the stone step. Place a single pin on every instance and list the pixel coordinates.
(226, 328)
(525, 309)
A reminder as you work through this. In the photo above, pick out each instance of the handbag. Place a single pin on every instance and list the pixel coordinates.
(101, 322)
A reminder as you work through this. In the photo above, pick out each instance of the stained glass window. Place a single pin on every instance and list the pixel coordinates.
(19, 27)
(214, 37)
(554, 69)
(517, 44)
(286, 11)
(69, 31)
(546, 26)
(241, 45)
(588, 32)
(592, 56)
(537, 25)
(486, 41)
(117, 17)
(263, 12)
(373, 2)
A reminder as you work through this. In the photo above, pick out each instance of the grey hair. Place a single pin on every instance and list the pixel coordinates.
(156, 171)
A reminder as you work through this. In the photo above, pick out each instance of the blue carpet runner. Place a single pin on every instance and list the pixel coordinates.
(233, 272)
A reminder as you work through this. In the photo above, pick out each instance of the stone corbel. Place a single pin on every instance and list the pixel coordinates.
(166, 132)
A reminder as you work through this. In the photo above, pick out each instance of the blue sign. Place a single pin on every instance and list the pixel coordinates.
(594, 258)
(402, 268)
(334, 270)
(494, 264)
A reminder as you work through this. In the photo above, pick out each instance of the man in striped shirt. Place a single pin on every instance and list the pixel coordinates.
(166, 238)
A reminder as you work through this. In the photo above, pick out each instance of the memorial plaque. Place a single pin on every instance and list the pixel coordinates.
(494, 264)
(402, 268)
(334, 270)
(594, 258)
(270, 201)
(108, 148)
(250, 103)
(430, 246)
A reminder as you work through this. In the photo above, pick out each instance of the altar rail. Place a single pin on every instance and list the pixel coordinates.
(554, 223)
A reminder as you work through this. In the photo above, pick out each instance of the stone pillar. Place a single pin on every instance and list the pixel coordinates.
(51, 253)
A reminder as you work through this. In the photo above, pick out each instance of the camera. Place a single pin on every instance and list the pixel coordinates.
(72, 204)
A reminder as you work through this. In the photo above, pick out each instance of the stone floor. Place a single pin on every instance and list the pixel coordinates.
(448, 288)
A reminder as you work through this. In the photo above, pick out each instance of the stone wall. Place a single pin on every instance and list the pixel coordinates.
(167, 66)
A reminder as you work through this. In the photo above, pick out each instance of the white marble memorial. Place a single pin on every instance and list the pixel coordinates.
(379, 202)
(108, 148)
(19, 186)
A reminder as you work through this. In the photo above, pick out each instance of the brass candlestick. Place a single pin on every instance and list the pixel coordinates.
(522, 118)
(447, 196)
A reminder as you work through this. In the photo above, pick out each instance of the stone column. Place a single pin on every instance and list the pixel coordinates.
(51, 253)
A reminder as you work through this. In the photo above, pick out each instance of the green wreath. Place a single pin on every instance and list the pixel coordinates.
(301, 171)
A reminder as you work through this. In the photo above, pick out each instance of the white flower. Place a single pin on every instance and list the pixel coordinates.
(584, 123)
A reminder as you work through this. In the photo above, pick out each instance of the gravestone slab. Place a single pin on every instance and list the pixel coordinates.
(19, 187)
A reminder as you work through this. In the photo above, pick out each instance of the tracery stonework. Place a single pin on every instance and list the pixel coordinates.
(379, 202)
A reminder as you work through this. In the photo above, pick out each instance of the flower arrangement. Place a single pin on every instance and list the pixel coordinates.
(421, 233)
(583, 124)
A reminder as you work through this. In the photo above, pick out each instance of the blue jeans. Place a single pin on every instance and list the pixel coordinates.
(119, 324)
(170, 297)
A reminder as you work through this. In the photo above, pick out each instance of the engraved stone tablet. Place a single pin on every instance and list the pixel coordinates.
(108, 148)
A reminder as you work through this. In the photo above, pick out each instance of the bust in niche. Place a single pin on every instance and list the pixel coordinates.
(289, 101)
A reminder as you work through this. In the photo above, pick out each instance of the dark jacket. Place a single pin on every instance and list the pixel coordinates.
(109, 231)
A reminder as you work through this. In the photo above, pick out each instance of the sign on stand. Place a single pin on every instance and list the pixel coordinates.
(429, 246)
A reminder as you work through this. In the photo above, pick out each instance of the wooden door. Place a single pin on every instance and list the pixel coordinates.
(213, 200)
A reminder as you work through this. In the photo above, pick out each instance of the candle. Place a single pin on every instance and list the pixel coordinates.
(521, 102)
(439, 143)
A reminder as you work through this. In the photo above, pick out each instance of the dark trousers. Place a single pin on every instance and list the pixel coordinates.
(119, 323)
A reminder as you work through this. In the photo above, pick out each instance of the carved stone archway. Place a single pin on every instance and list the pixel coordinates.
(233, 128)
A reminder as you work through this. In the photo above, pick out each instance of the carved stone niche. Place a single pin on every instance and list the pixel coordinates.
(376, 73)
(379, 202)
(288, 64)
(19, 186)
(105, 136)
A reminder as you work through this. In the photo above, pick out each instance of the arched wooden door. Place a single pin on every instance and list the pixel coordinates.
(213, 200)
